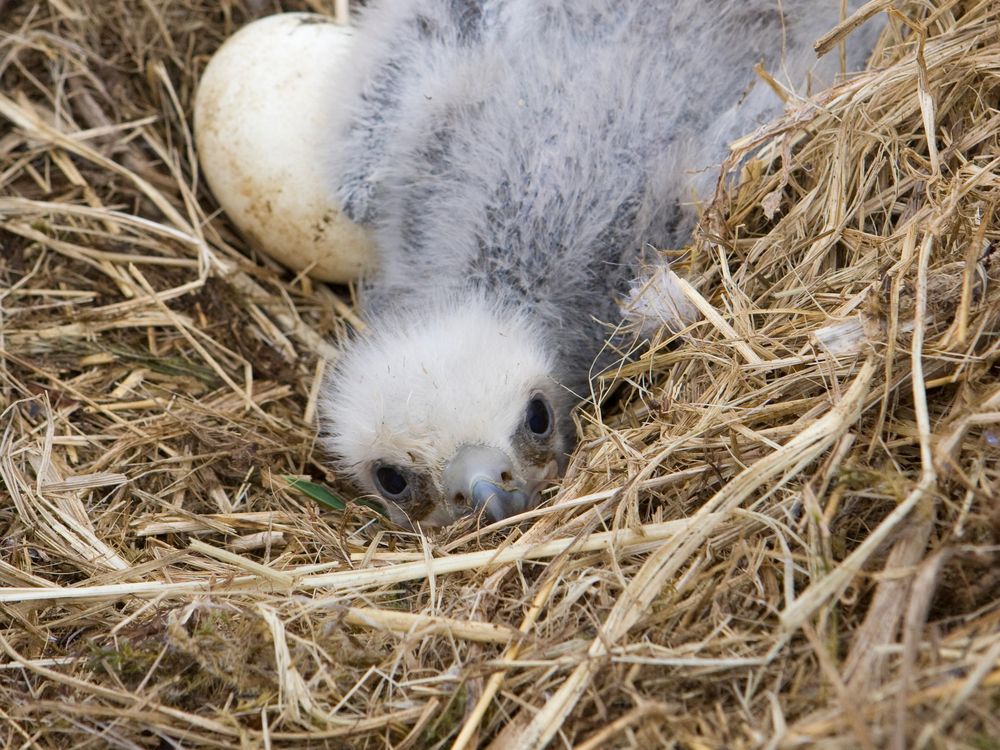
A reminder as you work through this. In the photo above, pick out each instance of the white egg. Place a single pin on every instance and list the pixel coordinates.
(263, 120)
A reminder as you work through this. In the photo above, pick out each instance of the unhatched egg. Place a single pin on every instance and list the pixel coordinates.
(263, 120)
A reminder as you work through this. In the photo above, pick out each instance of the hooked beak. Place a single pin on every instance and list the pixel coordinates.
(484, 477)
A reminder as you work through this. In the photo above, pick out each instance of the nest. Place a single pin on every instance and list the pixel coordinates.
(781, 528)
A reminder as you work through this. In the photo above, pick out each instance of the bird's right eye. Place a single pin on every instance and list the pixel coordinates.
(391, 481)
(538, 418)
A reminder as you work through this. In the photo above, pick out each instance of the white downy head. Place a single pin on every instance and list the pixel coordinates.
(448, 412)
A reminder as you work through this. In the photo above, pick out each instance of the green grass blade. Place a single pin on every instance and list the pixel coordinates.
(323, 496)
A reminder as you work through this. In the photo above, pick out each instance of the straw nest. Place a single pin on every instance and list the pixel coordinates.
(782, 527)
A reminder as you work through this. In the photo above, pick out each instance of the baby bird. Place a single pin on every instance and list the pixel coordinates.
(514, 158)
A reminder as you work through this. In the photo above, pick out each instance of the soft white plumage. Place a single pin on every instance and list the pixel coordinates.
(413, 409)
(515, 159)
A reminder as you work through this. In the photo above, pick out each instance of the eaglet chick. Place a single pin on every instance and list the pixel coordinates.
(513, 159)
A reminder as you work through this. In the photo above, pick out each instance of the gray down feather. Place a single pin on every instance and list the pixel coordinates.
(529, 150)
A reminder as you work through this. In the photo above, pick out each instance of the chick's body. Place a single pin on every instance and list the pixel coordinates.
(514, 158)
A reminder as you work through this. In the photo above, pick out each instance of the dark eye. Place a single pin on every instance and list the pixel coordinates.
(390, 480)
(538, 419)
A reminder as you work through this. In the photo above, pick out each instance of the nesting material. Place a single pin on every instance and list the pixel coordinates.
(782, 528)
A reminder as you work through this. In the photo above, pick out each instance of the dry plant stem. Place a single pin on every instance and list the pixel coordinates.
(294, 696)
(814, 730)
(209, 359)
(295, 628)
(116, 696)
(416, 734)
(826, 42)
(975, 682)
(881, 624)
(924, 585)
(29, 120)
(426, 625)
(882, 620)
(600, 739)
(240, 280)
(469, 729)
(713, 316)
(948, 445)
(816, 595)
(849, 706)
(672, 555)
(577, 502)
(927, 107)
(352, 579)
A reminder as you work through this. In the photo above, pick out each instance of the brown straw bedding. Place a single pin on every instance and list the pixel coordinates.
(782, 528)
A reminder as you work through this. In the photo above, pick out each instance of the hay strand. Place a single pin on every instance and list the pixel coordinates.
(780, 529)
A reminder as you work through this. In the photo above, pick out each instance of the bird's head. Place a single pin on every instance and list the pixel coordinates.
(449, 412)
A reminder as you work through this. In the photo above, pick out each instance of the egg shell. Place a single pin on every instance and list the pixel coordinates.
(264, 116)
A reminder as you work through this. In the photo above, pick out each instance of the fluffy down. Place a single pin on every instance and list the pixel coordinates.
(412, 411)
(516, 159)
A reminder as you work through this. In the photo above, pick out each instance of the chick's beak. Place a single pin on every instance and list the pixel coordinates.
(484, 477)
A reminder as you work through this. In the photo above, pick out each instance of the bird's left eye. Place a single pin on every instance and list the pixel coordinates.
(538, 418)
(391, 481)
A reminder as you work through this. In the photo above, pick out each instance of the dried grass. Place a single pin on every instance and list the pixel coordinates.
(782, 529)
